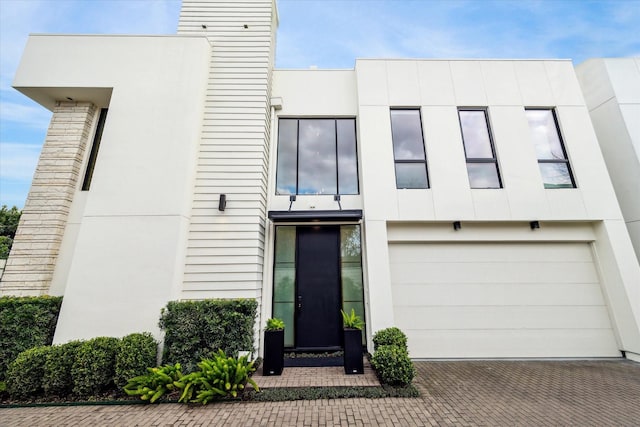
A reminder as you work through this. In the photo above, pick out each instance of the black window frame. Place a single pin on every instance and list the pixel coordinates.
(95, 146)
(335, 127)
(410, 161)
(565, 159)
(481, 160)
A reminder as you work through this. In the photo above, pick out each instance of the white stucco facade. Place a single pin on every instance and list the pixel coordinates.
(611, 89)
(526, 271)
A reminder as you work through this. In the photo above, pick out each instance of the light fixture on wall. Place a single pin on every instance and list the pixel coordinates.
(222, 203)
(534, 225)
(292, 198)
(456, 225)
(336, 198)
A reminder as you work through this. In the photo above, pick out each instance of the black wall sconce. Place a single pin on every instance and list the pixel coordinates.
(534, 225)
(456, 225)
(222, 203)
(292, 198)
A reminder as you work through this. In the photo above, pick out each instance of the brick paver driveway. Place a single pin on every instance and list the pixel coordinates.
(597, 393)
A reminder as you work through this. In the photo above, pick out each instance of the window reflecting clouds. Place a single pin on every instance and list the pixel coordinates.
(287, 157)
(476, 134)
(347, 156)
(317, 156)
(482, 163)
(408, 149)
(552, 158)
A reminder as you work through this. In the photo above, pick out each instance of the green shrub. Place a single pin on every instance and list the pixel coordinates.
(217, 378)
(5, 246)
(196, 330)
(393, 366)
(274, 324)
(155, 384)
(390, 336)
(57, 378)
(24, 376)
(25, 322)
(94, 367)
(135, 353)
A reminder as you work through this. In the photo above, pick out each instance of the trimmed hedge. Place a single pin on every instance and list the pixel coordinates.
(278, 394)
(24, 375)
(94, 367)
(390, 336)
(135, 353)
(196, 330)
(57, 379)
(25, 322)
(393, 366)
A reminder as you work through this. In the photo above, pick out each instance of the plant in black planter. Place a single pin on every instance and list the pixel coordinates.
(273, 347)
(352, 342)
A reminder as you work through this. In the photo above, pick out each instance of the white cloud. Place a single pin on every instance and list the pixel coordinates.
(18, 161)
(29, 115)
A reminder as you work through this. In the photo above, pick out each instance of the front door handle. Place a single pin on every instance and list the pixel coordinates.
(299, 303)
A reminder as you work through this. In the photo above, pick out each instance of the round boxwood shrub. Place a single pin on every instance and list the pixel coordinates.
(135, 353)
(390, 336)
(94, 367)
(393, 366)
(24, 375)
(57, 378)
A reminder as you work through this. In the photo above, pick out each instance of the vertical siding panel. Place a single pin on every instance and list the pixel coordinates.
(234, 146)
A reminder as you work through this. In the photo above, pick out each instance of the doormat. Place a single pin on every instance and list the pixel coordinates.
(312, 360)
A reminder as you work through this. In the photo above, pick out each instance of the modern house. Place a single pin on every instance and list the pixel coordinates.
(465, 201)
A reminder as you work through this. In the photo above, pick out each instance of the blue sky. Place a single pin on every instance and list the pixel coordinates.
(324, 33)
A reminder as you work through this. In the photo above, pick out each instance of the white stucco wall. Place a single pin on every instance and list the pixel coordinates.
(122, 255)
(611, 90)
(312, 94)
(505, 88)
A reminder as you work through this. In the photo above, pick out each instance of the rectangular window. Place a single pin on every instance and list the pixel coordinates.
(317, 156)
(93, 156)
(408, 149)
(552, 157)
(482, 163)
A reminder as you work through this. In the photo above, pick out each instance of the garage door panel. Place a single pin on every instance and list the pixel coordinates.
(494, 272)
(496, 317)
(511, 343)
(533, 299)
(464, 294)
(490, 252)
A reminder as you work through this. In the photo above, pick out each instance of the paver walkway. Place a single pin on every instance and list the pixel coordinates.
(491, 393)
(318, 377)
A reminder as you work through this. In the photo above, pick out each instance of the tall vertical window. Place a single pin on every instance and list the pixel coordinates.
(408, 149)
(95, 145)
(552, 157)
(317, 156)
(482, 163)
(284, 279)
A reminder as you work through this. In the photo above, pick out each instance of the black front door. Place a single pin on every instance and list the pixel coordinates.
(318, 319)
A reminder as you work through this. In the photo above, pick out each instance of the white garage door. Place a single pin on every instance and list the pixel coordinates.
(500, 300)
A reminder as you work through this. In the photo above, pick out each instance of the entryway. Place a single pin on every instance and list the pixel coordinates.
(317, 272)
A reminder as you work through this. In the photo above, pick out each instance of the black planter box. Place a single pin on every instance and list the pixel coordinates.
(353, 352)
(273, 360)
